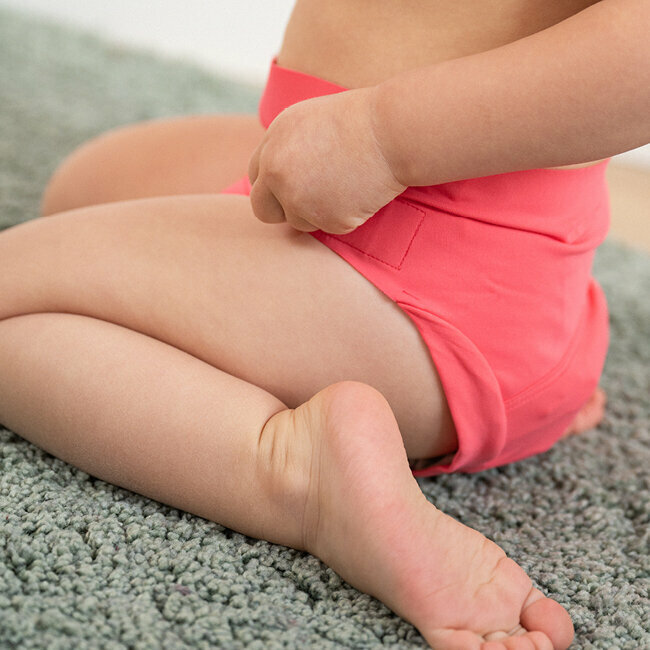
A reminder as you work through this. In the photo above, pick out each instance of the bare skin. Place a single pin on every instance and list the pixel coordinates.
(347, 430)
(590, 414)
(279, 435)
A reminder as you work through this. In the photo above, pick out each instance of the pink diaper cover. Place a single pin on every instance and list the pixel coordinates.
(495, 273)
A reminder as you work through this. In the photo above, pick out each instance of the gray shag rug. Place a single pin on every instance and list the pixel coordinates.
(84, 564)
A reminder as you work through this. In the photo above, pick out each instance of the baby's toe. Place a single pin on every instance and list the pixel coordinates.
(545, 616)
(521, 640)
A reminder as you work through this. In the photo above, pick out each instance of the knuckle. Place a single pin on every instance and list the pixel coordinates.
(346, 226)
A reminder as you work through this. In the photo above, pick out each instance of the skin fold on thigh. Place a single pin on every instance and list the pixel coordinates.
(265, 303)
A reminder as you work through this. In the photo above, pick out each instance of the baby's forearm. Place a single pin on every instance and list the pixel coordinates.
(575, 92)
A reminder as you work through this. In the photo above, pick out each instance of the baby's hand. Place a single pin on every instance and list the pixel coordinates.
(320, 166)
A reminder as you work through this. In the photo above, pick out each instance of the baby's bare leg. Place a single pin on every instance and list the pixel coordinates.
(200, 154)
(144, 415)
(282, 313)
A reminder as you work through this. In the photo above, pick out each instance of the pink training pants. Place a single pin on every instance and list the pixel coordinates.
(495, 273)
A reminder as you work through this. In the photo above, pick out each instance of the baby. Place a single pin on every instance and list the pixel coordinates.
(277, 322)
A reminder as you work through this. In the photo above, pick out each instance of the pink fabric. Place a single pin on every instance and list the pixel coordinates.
(495, 273)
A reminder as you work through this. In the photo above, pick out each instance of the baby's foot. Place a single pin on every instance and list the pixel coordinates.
(589, 415)
(367, 518)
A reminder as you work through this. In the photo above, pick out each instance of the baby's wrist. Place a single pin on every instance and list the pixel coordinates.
(384, 113)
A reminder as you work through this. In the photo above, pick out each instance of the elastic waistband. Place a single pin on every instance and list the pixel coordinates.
(570, 205)
(285, 87)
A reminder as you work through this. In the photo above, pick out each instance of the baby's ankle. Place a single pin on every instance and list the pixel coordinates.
(288, 470)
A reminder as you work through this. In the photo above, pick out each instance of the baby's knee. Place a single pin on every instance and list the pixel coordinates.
(58, 195)
(93, 173)
(71, 184)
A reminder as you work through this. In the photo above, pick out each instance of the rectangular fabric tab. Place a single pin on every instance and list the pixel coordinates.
(387, 236)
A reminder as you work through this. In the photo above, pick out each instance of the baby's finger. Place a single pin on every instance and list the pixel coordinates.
(299, 223)
(265, 206)
(254, 165)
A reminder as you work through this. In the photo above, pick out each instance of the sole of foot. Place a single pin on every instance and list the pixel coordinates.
(366, 517)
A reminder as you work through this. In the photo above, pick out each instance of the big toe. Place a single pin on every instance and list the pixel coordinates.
(545, 615)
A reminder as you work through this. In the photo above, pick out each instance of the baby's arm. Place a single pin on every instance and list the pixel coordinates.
(575, 92)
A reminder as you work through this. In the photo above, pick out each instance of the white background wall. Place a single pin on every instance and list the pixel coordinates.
(232, 37)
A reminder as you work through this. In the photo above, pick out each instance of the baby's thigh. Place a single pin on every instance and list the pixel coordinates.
(265, 303)
(188, 155)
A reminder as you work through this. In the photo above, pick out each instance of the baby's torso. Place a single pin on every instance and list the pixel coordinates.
(357, 43)
(362, 42)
